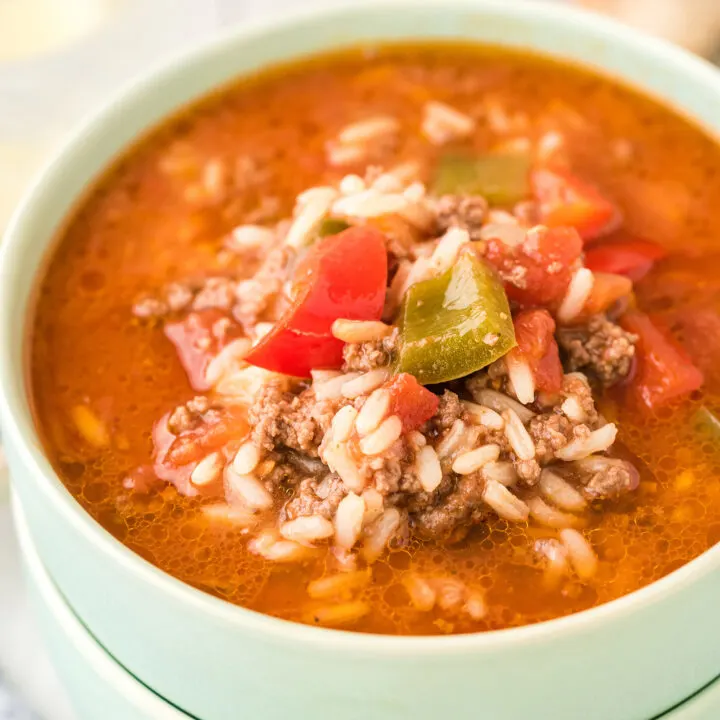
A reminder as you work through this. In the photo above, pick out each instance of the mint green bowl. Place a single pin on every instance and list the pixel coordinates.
(98, 687)
(627, 660)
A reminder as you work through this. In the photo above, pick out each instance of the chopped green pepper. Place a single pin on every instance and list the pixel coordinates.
(455, 324)
(706, 421)
(332, 226)
(502, 179)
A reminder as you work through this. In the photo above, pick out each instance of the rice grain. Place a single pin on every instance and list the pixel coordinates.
(518, 437)
(473, 460)
(581, 447)
(504, 503)
(378, 441)
(427, 467)
(582, 556)
(349, 520)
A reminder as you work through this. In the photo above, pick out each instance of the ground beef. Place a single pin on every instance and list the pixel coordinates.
(550, 432)
(464, 211)
(188, 416)
(601, 347)
(282, 420)
(316, 497)
(528, 471)
(361, 357)
(256, 295)
(217, 292)
(610, 480)
(450, 520)
(449, 410)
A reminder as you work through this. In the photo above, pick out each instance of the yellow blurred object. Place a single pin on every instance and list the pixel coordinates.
(31, 27)
(694, 24)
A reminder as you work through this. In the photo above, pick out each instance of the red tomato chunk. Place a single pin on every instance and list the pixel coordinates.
(411, 402)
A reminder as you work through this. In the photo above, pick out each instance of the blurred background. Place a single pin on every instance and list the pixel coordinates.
(59, 59)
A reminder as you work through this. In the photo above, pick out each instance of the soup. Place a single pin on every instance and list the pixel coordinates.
(419, 340)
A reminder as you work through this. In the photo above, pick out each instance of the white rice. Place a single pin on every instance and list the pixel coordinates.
(509, 233)
(499, 402)
(340, 614)
(578, 292)
(321, 376)
(451, 440)
(351, 185)
(232, 515)
(230, 358)
(374, 505)
(582, 556)
(368, 130)
(208, 470)
(448, 249)
(427, 467)
(349, 519)
(422, 594)
(581, 447)
(416, 439)
(370, 203)
(415, 192)
(504, 503)
(548, 516)
(338, 459)
(484, 415)
(307, 529)
(451, 593)
(397, 289)
(472, 461)
(378, 441)
(249, 237)
(442, 123)
(518, 437)
(360, 331)
(475, 606)
(332, 389)
(560, 492)
(502, 471)
(549, 144)
(365, 383)
(247, 490)
(379, 534)
(341, 584)
(521, 378)
(573, 409)
(555, 556)
(373, 411)
(342, 424)
(246, 458)
(313, 210)
(339, 155)
(287, 551)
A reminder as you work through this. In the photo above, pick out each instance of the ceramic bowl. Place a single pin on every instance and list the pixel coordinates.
(100, 687)
(628, 660)
(97, 685)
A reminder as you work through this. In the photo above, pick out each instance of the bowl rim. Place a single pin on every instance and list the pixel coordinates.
(19, 427)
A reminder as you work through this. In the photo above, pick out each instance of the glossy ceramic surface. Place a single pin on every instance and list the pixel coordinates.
(652, 649)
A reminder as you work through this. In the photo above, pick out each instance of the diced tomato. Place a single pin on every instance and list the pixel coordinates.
(411, 402)
(631, 257)
(607, 289)
(538, 271)
(343, 276)
(177, 455)
(535, 335)
(664, 370)
(698, 329)
(198, 338)
(566, 200)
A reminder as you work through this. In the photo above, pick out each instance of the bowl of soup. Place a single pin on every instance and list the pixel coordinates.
(365, 363)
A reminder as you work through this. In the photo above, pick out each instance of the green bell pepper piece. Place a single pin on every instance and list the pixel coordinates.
(332, 226)
(455, 324)
(502, 179)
